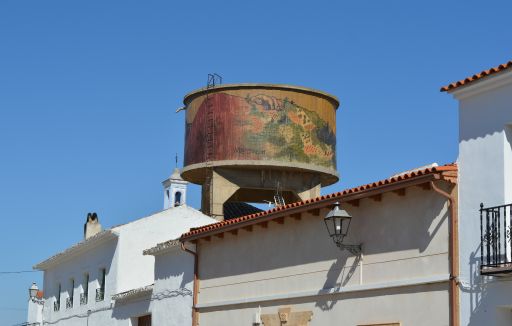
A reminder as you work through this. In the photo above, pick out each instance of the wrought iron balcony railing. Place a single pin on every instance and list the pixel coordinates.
(83, 299)
(56, 306)
(100, 294)
(69, 303)
(495, 239)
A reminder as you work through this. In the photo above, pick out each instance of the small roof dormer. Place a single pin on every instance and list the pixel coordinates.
(175, 190)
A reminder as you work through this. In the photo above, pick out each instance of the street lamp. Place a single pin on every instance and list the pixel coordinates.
(337, 222)
(32, 291)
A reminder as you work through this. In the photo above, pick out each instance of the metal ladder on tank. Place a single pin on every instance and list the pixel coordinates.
(209, 153)
(278, 197)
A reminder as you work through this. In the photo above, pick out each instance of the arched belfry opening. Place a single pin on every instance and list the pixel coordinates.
(177, 198)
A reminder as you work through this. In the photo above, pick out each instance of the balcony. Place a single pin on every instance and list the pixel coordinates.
(69, 303)
(100, 294)
(56, 306)
(495, 240)
(83, 299)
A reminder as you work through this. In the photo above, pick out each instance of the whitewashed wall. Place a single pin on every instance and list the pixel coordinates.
(127, 269)
(403, 276)
(172, 294)
(485, 176)
(102, 256)
(34, 312)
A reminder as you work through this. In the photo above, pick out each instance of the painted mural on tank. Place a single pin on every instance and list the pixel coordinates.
(257, 125)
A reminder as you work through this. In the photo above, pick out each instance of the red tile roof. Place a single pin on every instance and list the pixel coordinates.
(449, 172)
(476, 77)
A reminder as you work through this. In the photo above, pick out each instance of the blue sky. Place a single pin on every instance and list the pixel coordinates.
(88, 91)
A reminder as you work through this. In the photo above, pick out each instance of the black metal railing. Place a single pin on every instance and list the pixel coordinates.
(56, 305)
(495, 239)
(69, 303)
(83, 299)
(100, 294)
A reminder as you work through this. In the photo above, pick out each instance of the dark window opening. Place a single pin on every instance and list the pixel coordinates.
(144, 320)
(177, 198)
(69, 300)
(85, 295)
(100, 292)
(56, 304)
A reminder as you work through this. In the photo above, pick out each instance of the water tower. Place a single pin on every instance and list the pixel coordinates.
(259, 143)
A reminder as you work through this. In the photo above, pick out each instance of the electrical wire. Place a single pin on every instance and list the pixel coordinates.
(13, 308)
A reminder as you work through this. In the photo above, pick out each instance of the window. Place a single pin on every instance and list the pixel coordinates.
(85, 295)
(69, 299)
(56, 304)
(100, 292)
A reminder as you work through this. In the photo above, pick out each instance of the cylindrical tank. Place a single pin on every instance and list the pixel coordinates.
(277, 127)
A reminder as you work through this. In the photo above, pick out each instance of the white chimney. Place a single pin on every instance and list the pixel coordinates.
(92, 226)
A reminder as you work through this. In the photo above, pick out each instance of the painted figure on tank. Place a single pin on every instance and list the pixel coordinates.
(250, 125)
(249, 142)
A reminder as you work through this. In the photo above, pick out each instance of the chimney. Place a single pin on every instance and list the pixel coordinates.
(92, 226)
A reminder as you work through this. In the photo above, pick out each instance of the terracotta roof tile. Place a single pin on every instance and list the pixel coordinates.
(476, 77)
(400, 177)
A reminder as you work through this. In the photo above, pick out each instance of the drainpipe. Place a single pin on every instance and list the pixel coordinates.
(195, 316)
(453, 253)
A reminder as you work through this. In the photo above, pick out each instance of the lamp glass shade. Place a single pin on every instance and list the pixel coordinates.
(337, 222)
(32, 291)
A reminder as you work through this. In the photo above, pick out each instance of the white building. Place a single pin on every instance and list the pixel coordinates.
(174, 281)
(106, 280)
(485, 176)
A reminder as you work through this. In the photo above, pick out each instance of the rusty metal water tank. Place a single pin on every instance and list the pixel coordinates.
(257, 136)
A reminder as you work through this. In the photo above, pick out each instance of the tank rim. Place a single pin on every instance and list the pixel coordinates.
(329, 176)
(200, 91)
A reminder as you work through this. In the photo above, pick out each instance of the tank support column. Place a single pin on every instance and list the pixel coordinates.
(309, 193)
(216, 192)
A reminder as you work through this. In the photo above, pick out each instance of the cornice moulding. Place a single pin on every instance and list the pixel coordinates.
(483, 85)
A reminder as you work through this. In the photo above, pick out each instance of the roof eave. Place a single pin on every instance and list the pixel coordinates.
(482, 85)
(464, 86)
(134, 293)
(323, 203)
(162, 248)
(76, 250)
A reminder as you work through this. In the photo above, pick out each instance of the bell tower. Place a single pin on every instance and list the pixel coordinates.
(175, 190)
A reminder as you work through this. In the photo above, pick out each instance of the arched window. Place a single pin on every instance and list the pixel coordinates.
(177, 198)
